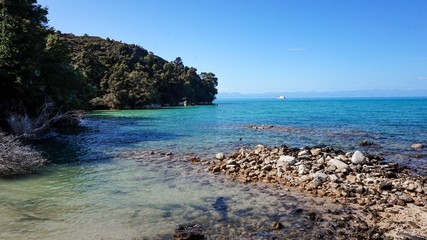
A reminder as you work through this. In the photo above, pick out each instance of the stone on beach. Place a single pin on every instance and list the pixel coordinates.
(338, 164)
(358, 158)
(351, 178)
(220, 156)
(286, 160)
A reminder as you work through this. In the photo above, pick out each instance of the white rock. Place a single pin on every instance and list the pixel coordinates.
(315, 151)
(338, 164)
(333, 178)
(417, 145)
(220, 156)
(342, 157)
(260, 146)
(286, 160)
(321, 160)
(304, 154)
(231, 162)
(358, 158)
(302, 169)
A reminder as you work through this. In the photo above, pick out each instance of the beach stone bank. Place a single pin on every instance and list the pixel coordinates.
(355, 177)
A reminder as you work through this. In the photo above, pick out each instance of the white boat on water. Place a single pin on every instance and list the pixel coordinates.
(281, 97)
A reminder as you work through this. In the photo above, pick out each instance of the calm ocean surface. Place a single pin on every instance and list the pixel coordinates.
(90, 192)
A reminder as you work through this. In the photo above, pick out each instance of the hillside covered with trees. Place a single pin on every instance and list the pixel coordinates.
(128, 76)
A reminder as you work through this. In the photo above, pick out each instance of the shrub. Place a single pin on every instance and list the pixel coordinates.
(16, 158)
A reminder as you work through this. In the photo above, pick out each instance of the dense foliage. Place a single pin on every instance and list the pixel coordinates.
(34, 63)
(128, 76)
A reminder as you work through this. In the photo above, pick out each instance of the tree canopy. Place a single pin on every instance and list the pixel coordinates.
(128, 76)
(35, 65)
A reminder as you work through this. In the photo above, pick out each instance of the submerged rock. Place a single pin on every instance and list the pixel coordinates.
(417, 146)
(366, 143)
(189, 232)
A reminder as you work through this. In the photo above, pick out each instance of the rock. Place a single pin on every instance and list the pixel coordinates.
(365, 143)
(358, 158)
(231, 162)
(320, 160)
(189, 232)
(304, 154)
(351, 178)
(260, 147)
(267, 167)
(242, 179)
(320, 175)
(333, 178)
(302, 169)
(338, 164)
(276, 226)
(400, 202)
(316, 151)
(220, 156)
(386, 185)
(321, 193)
(286, 160)
(417, 146)
(411, 187)
(418, 203)
(406, 198)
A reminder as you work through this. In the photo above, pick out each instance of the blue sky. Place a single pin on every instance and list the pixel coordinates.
(256, 46)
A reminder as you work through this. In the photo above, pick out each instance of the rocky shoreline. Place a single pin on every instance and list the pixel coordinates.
(383, 191)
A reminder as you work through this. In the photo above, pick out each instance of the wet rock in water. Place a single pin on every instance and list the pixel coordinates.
(417, 146)
(366, 143)
(189, 232)
(276, 226)
(220, 156)
(358, 158)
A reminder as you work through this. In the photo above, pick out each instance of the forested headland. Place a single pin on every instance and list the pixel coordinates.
(41, 67)
(45, 76)
(128, 76)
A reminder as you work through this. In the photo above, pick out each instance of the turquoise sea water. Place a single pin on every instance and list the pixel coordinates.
(392, 124)
(93, 191)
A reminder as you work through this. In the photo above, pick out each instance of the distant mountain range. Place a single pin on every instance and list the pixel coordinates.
(329, 94)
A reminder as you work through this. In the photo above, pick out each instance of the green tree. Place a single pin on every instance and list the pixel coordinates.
(35, 64)
(23, 34)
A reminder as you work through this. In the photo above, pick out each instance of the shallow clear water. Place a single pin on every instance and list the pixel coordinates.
(93, 191)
